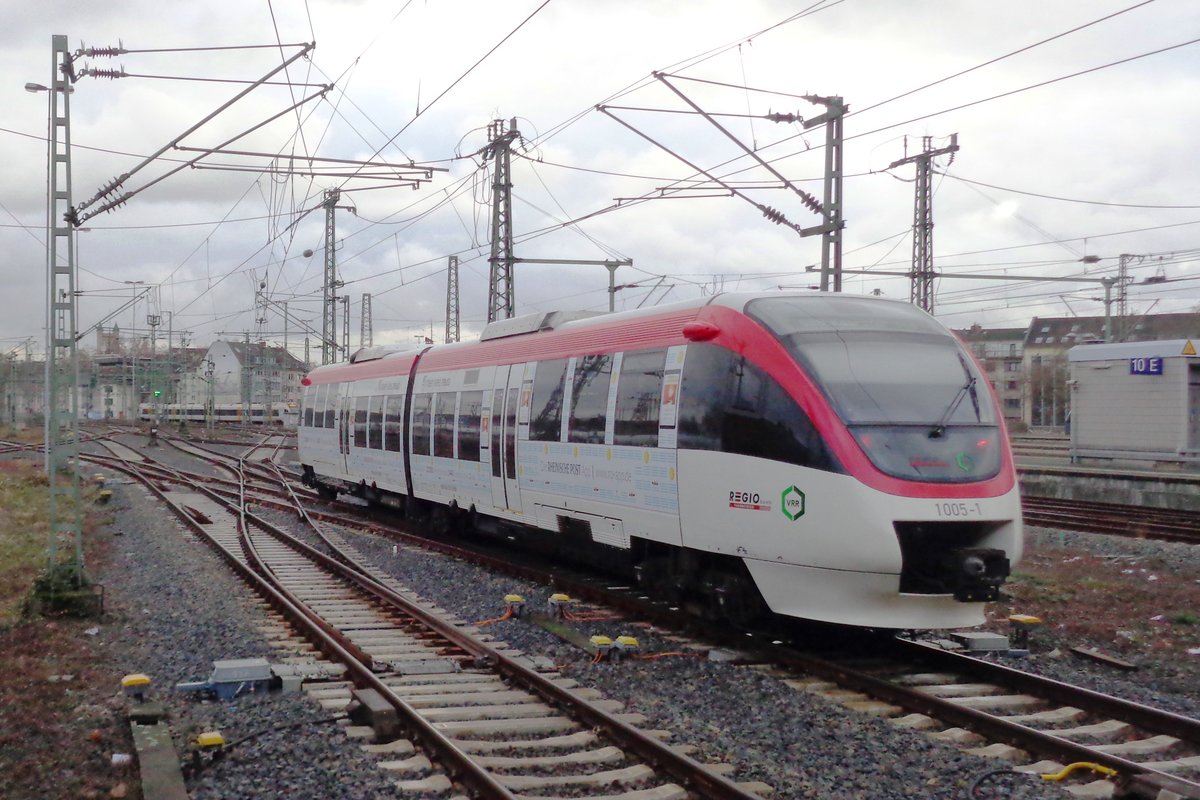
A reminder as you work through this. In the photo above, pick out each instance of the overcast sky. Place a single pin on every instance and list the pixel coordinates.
(421, 80)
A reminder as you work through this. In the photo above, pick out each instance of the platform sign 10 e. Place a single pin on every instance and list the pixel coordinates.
(1145, 366)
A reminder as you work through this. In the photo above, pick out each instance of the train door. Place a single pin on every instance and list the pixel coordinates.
(506, 387)
(342, 414)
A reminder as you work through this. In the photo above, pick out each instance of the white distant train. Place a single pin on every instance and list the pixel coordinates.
(285, 414)
(820, 456)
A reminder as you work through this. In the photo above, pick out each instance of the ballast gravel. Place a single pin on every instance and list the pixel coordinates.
(799, 743)
(174, 607)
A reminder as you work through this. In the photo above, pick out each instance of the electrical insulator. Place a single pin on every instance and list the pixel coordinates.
(111, 74)
(103, 52)
(811, 203)
(773, 215)
(113, 185)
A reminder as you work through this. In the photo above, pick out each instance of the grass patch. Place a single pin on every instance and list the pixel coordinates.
(24, 526)
(1185, 618)
(24, 534)
(1027, 578)
(1094, 583)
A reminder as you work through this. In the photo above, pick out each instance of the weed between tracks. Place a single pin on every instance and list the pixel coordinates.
(1137, 608)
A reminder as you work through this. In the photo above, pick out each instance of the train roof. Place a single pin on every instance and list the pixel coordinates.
(510, 340)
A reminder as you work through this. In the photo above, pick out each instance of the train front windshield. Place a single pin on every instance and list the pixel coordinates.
(903, 385)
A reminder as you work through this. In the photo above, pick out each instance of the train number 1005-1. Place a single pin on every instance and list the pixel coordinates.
(958, 509)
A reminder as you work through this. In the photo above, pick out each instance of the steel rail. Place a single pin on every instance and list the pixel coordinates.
(1130, 773)
(1145, 717)
(680, 767)
(1111, 518)
(458, 763)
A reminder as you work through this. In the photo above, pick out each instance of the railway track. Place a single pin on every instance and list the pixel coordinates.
(484, 719)
(1122, 520)
(1042, 726)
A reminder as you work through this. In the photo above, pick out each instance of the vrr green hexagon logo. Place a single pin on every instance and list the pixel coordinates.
(791, 503)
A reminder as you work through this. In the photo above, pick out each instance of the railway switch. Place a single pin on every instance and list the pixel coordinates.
(232, 678)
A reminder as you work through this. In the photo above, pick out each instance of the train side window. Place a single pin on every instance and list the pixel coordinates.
(469, 412)
(443, 425)
(589, 399)
(375, 423)
(422, 405)
(360, 421)
(545, 418)
(639, 392)
(318, 406)
(310, 396)
(331, 403)
(391, 423)
(729, 405)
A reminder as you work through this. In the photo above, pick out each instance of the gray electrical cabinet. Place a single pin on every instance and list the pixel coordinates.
(1135, 400)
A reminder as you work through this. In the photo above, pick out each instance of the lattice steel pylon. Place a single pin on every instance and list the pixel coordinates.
(501, 292)
(62, 366)
(329, 289)
(921, 285)
(346, 326)
(366, 336)
(453, 317)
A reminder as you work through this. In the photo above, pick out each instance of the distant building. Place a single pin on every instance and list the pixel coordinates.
(241, 372)
(1000, 351)
(1046, 397)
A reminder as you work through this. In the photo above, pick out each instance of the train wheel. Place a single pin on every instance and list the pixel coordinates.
(326, 492)
(655, 577)
(738, 600)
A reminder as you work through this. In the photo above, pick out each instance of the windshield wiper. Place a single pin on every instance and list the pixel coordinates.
(968, 388)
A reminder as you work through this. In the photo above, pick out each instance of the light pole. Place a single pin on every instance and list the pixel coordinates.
(137, 395)
(209, 410)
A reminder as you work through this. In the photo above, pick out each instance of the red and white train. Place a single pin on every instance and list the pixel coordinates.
(823, 456)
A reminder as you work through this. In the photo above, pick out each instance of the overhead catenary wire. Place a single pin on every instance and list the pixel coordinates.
(1065, 199)
(394, 234)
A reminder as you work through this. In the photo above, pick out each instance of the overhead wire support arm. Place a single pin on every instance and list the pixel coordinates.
(427, 171)
(770, 213)
(79, 219)
(811, 202)
(117, 182)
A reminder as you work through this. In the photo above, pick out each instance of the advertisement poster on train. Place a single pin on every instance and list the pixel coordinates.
(670, 399)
